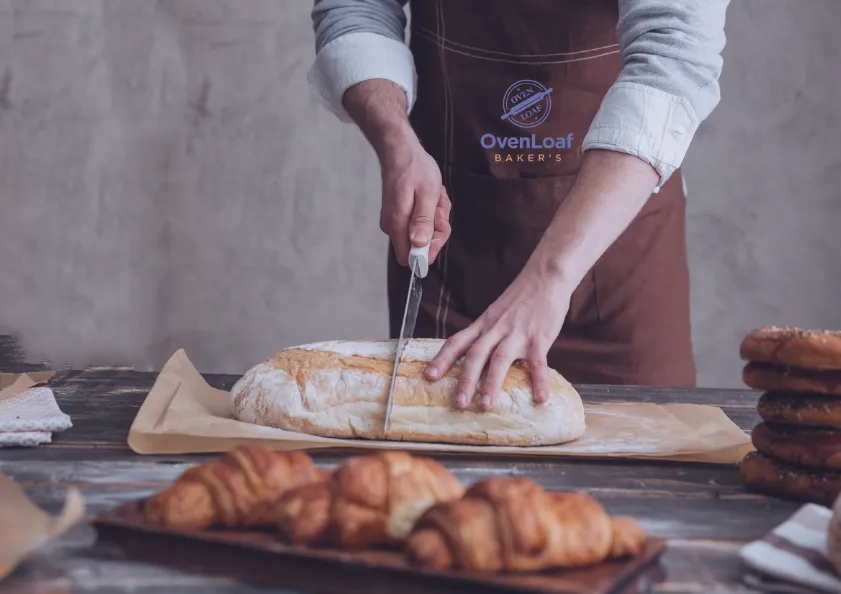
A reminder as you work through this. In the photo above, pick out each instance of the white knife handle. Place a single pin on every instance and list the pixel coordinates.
(421, 255)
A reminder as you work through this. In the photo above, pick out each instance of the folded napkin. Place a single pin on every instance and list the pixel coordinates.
(30, 417)
(792, 558)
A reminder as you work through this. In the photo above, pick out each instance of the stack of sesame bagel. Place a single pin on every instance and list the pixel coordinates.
(798, 442)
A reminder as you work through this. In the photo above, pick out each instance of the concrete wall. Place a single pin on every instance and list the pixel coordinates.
(764, 181)
(167, 181)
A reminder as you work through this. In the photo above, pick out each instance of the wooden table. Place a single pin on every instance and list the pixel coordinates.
(703, 508)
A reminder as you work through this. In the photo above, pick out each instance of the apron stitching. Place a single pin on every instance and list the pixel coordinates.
(596, 293)
(594, 359)
(437, 38)
(449, 169)
(442, 256)
(422, 35)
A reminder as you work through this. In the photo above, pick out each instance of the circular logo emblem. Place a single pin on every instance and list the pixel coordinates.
(526, 104)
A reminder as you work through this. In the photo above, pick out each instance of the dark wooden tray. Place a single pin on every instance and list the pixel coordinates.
(259, 557)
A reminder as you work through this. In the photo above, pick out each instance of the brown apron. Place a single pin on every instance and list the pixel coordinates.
(628, 321)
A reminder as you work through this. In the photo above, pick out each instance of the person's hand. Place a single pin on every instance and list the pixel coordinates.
(521, 325)
(415, 206)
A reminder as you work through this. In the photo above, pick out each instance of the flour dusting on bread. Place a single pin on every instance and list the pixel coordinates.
(339, 389)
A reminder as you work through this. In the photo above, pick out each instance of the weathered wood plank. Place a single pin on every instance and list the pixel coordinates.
(733, 516)
(712, 396)
(649, 479)
(127, 378)
(104, 402)
(745, 418)
(11, 352)
(701, 567)
(674, 499)
(186, 584)
(101, 569)
(13, 357)
(83, 453)
(686, 567)
(669, 499)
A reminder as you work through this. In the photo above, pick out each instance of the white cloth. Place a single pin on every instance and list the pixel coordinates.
(30, 418)
(353, 58)
(29, 439)
(793, 554)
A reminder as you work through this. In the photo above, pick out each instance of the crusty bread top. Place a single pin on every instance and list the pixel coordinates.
(419, 349)
(794, 347)
(378, 356)
(339, 389)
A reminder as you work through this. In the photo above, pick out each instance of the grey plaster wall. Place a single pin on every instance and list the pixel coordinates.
(167, 181)
(764, 182)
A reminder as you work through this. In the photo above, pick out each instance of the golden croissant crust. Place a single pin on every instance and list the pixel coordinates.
(369, 501)
(237, 489)
(512, 524)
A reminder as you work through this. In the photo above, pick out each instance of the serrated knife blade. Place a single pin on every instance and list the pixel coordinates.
(418, 258)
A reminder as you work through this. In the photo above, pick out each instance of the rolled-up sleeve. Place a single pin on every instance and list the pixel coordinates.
(358, 40)
(671, 64)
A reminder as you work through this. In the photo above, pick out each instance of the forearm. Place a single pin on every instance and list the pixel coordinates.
(356, 41)
(609, 192)
(415, 208)
(671, 63)
(378, 107)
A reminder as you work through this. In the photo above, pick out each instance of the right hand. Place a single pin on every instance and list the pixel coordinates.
(415, 206)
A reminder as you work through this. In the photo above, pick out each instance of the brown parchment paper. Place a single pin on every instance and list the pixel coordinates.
(12, 384)
(25, 527)
(183, 414)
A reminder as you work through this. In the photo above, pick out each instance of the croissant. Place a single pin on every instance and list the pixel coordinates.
(369, 501)
(512, 524)
(237, 489)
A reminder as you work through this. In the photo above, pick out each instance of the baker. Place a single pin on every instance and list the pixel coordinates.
(537, 145)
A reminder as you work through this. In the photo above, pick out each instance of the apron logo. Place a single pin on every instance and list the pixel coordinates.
(526, 104)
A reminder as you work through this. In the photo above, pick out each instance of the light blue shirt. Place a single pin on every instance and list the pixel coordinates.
(671, 64)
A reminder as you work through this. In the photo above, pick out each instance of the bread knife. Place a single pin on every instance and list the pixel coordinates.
(419, 263)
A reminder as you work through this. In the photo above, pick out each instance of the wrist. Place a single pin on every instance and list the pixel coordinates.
(379, 108)
(556, 271)
(392, 140)
(608, 193)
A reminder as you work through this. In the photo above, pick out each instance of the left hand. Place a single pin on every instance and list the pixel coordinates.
(522, 324)
(609, 191)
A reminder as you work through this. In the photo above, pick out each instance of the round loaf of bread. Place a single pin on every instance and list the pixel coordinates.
(794, 408)
(763, 474)
(774, 378)
(794, 347)
(340, 389)
(812, 447)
